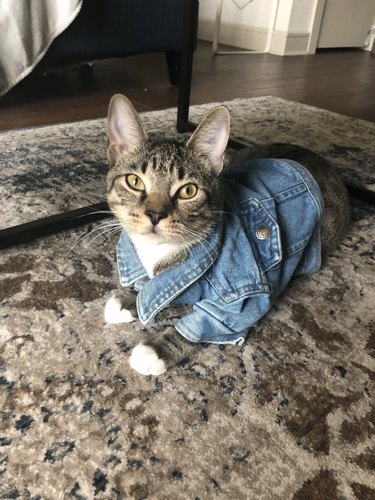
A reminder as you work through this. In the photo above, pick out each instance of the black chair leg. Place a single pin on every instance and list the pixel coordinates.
(30, 231)
(186, 63)
(173, 63)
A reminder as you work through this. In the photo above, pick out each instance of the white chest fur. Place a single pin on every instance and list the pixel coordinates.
(151, 251)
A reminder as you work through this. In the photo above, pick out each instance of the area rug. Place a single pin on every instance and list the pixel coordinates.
(289, 415)
(48, 170)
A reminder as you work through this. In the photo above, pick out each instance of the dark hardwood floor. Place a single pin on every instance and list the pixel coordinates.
(338, 80)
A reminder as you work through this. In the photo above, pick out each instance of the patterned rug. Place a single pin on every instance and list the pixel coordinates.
(37, 165)
(289, 415)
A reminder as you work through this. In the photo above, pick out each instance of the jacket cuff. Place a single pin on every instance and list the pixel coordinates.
(200, 326)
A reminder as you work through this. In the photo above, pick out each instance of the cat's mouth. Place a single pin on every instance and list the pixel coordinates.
(155, 234)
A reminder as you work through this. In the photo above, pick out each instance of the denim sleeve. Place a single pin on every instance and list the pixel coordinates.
(224, 323)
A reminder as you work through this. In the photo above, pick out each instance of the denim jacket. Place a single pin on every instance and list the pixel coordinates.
(270, 232)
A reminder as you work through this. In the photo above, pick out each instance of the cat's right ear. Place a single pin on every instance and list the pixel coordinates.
(124, 128)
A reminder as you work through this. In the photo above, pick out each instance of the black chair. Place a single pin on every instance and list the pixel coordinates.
(120, 28)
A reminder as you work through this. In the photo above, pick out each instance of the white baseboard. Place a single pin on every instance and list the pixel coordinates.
(237, 35)
(286, 43)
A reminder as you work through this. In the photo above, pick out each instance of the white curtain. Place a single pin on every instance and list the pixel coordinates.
(27, 29)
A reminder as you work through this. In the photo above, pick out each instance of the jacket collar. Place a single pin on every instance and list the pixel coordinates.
(157, 292)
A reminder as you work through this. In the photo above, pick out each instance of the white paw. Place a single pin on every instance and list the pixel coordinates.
(114, 313)
(145, 360)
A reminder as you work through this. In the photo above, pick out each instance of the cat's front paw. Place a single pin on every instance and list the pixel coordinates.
(115, 313)
(146, 361)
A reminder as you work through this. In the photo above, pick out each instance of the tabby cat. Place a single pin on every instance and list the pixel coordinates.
(170, 200)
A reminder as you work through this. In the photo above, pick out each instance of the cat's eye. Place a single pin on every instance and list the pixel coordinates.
(134, 182)
(188, 191)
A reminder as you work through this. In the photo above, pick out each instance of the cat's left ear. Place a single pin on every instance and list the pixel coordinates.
(210, 139)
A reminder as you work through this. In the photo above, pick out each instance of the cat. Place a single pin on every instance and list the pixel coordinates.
(190, 228)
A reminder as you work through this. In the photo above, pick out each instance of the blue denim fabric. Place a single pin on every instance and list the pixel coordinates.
(233, 278)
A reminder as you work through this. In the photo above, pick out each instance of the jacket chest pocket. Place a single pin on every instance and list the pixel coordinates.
(236, 273)
(259, 220)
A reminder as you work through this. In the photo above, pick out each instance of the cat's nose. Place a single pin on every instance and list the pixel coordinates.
(155, 216)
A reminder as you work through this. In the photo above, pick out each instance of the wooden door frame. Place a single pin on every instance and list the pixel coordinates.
(320, 6)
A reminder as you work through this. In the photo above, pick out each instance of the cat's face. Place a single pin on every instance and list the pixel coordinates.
(165, 191)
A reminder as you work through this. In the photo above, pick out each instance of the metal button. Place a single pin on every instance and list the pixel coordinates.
(262, 232)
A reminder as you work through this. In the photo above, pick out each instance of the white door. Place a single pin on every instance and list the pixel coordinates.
(345, 23)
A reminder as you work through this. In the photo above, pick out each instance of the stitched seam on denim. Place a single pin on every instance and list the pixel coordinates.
(309, 181)
(275, 237)
(244, 291)
(210, 313)
(247, 292)
(297, 247)
(193, 338)
(291, 192)
(318, 201)
(283, 195)
(146, 314)
(130, 277)
(232, 332)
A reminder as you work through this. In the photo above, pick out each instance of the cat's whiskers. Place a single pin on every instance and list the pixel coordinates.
(113, 224)
(100, 196)
(102, 225)
(110, 235)
(194, 233)
(93, 212)
(185, 245)
(224, 212)
(107, 230)
(106, 212)
(215, 250)
(196, 238)
(189, 247)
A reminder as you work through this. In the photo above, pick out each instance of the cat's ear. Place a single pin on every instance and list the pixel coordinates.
(124, 128)
(211, 137)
